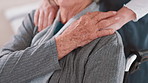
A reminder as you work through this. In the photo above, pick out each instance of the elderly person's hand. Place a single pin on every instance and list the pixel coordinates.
(126, 15)
(45, 14)
(85, 30)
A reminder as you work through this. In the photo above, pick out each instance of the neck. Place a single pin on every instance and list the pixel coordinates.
(68, 12)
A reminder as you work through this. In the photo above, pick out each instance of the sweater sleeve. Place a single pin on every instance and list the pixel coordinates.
(20, 62)
(140, 7)
(106, 64)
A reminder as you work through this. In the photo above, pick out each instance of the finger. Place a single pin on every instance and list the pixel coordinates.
(41, 20)
(104, 32)
(51, 17)
(104, 15)
(45, 24)
(92, 14)
(107, 22)
(36, 16)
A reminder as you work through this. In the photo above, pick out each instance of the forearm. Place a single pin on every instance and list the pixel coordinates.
(26, 64)
(126, 14)
(65, 45)
(139, 7)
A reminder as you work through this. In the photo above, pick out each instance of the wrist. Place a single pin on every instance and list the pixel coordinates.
(127, 14)
(64, 45)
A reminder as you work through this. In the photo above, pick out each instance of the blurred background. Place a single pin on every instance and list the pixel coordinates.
(12, 12)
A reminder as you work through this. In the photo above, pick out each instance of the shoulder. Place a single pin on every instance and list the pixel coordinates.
(29, 18)
(114, 39)
(31, 15)
(27, 25)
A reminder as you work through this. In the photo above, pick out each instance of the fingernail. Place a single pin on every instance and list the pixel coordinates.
(117, 18)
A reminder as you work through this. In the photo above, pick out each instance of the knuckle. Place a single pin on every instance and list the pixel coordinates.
(92, 13)
(96, 12)
(104, 33)
(99, 12)
(88, 13)
(41, 16)
(51, 9)
(48, 8)
(110, 32)
(41, 9)
(99, 34)
(100, 15)
(83, 17)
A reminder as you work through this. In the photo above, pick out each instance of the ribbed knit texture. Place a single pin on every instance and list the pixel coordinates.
(31, 57)
(101, 61)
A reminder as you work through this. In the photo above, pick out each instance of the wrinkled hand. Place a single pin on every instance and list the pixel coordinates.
(45, 14)
(90, 27)
(85, 30)
(125, 15)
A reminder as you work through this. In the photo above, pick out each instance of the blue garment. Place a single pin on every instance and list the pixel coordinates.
(135, 37)
(58, 27)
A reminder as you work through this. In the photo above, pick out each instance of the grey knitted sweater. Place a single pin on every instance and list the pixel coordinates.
(31, 57)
